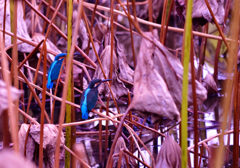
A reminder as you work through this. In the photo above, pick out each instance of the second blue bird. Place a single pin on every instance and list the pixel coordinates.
(90, 97)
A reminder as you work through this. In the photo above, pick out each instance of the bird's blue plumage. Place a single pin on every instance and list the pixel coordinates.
(54, 69)
(89, 97)
(84, 104)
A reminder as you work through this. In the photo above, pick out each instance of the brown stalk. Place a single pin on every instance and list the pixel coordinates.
(14, 63)
(112, 38)
(90, 132)
(47, 15)
(217, 52)
(120, 158)
(200, 159)
(22, 101)
(92, 21)
(26, 139)
(236, 121)
(163, 20)
(167, 23)
(43, 104)
(216, 23)
(30, 55)
(150, 15)
(195, 114)
(202, 54)
(131, 33)
(106, 129)
(5, 119)
(130, 119)
(127, 162)
(64, 96)
(100, 139)
(229, 84)
(7, 79)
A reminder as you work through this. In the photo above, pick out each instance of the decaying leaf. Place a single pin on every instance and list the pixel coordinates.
(79, 149)
(171, 69)
(200, 12)
(38, 37)
(82, 38)
(10, 159)
(3, 95)
(120, 145)
(209, 83)
(99, 31)
(151, 95)
(21, 26)
(169, 155)
(118, 87)
(49, 142)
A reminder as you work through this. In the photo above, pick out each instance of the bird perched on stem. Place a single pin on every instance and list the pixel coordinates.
(90, 96)
(55, 67)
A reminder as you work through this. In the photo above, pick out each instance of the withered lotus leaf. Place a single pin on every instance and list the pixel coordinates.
(21, 26)
(200, 12)
(15, 93)
(151, 95)
(49, 142)
(171, 69)
(169, 155)
(118, 87)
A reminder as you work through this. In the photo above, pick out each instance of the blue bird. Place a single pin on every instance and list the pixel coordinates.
(90, 97)
(54, 69)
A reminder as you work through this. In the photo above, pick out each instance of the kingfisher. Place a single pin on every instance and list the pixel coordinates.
(54, 69)
(90, 96)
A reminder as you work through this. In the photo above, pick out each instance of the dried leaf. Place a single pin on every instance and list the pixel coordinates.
(201, 14)
(151, 95)
(121, 145)
(126, 72)
(38, 37)
(82, 38)
(209, 83)
(169, 155)
(21, 26)
(99, 31)
(9, 159)
(171, 69)
(118, 87)
(49, 142)
(3, 95)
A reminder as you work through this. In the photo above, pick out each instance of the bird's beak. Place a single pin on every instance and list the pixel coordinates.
(105, 80)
